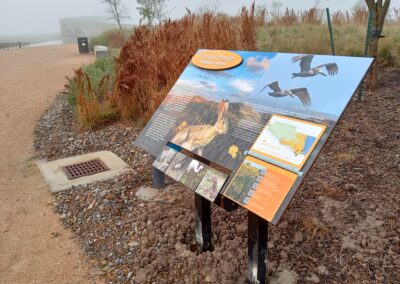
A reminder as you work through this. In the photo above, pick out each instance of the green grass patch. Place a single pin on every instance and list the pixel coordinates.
(310, 38)
(95, 71)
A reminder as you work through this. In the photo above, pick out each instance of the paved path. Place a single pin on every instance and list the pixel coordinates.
(34, 247)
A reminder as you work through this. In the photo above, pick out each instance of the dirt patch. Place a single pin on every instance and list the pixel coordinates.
(34, 246)
(341, 227)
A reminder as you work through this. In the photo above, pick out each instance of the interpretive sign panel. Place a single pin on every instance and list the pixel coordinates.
(277, 107)
(219, 114)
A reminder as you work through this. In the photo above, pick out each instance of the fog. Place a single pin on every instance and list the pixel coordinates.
(27, 17)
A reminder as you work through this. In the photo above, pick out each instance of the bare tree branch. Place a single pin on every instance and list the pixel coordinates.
(117, 10)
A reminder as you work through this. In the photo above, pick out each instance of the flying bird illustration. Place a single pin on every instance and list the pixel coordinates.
(195, 166)
(307, 71)
(301, 93)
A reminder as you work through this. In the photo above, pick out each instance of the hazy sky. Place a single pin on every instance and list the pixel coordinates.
(22, 17)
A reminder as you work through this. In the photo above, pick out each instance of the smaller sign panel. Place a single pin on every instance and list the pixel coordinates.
(193, 174)
(260, 187)
(165, 158)
(287, 141)
(211, 184)
(216, 59)
(178, 166)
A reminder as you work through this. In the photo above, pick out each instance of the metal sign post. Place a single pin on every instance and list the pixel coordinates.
(257, 233)
(203, 223)
(158, 176)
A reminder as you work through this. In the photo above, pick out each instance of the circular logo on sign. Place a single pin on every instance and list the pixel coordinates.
(216, 59)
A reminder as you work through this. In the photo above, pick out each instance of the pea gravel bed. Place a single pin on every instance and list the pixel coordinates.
(341, 227)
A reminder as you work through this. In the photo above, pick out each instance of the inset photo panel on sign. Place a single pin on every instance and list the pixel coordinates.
(165, 158)
(260, 187)
(178, 166)
(193, 174)
(211, 184)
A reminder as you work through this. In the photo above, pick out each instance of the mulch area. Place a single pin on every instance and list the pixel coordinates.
(341, 227)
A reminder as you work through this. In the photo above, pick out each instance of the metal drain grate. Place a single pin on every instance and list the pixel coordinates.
(85, 169)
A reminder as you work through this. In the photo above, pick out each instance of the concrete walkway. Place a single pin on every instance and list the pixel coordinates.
(34, 247)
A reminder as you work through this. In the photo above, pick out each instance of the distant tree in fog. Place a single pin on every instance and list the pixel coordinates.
(117, 9)
(211, 6)
(151, 10)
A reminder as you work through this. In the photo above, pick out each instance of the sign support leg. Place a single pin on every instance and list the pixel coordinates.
(203, 223)
(158, 176)
(257, 248)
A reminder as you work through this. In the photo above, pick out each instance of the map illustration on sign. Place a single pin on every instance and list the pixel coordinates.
(287, 140)
(260, 187)
(211, 184)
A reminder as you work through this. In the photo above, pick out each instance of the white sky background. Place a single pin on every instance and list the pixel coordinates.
(29, 17)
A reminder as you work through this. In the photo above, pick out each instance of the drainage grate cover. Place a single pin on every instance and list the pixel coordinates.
(85, 169)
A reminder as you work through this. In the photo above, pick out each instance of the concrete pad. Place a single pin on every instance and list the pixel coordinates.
(55, 177)
(150, 194)
(147, 193)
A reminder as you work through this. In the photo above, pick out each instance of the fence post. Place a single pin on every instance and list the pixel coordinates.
(368, 36)
(328, 15)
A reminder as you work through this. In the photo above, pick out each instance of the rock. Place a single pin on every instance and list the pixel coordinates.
(358, 256)
(283, 276)
(140, 276)
(298, 237)
(129, 275)
(322, 270)
(313, 278)
(350, 186)
(99, 273)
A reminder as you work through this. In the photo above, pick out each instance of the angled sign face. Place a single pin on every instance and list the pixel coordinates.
(277, 107)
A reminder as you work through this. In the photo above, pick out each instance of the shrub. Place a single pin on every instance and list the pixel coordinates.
(113, 38)
(95, 73)
(94, 103)
(151, 60)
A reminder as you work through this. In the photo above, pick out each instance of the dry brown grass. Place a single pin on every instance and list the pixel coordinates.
(94, 105)
(151, 60)
(315, 228)
(346, 157)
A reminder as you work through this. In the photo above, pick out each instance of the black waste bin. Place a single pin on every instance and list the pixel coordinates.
(83, 45)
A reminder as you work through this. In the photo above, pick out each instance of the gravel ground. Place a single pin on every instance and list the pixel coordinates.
(341, 227)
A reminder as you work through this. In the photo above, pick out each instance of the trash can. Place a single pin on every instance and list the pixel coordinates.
(101, 51)
(83, 44)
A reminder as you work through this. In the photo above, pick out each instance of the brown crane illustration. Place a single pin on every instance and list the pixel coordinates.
(307, 71)
(301, 93)
(196, 137)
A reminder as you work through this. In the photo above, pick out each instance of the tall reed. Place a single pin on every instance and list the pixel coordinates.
(151, 60)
